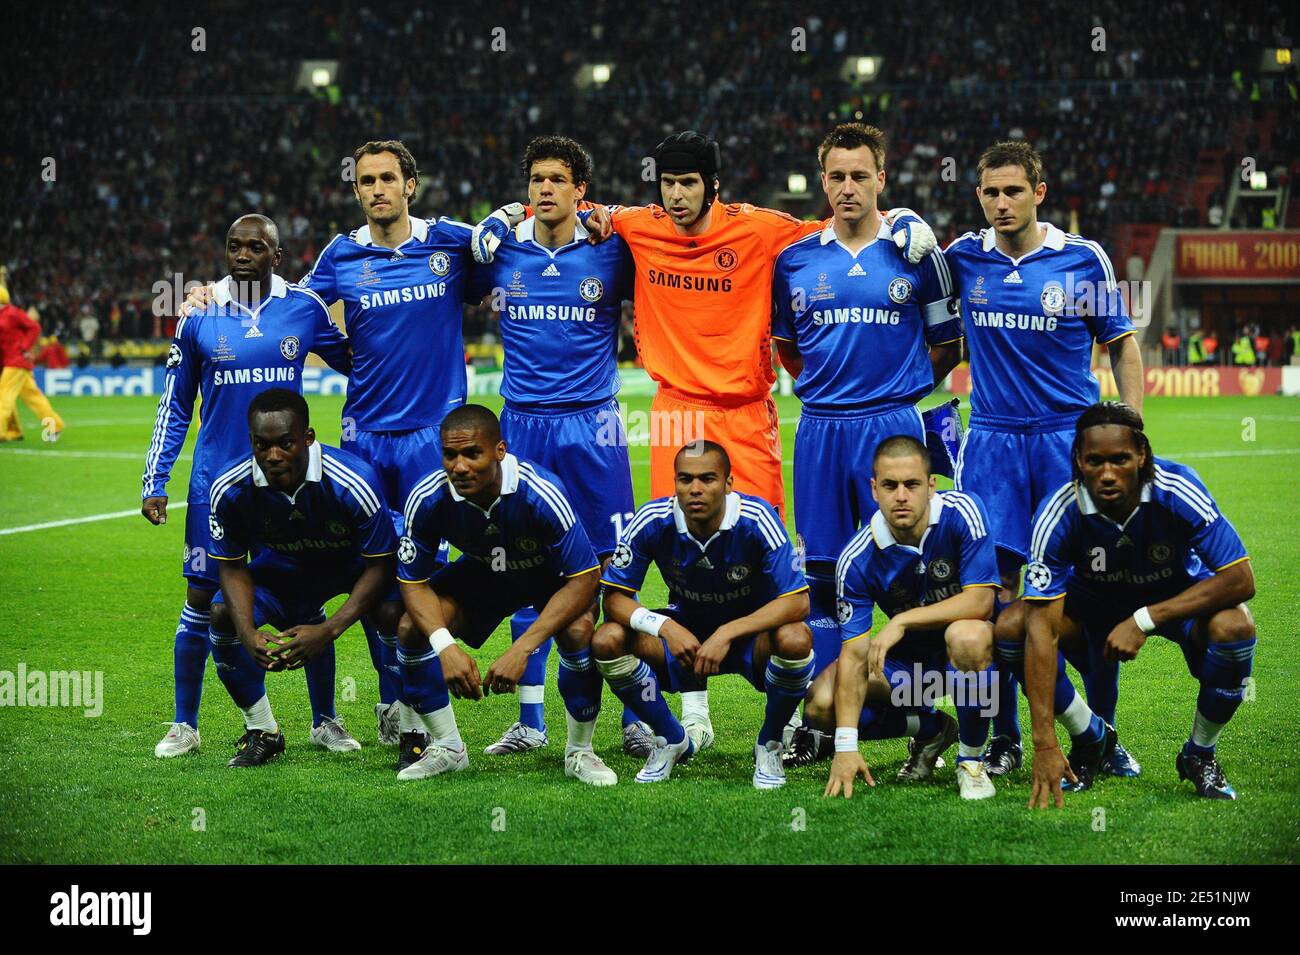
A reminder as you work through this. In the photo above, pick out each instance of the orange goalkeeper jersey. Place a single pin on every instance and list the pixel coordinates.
(704, 303)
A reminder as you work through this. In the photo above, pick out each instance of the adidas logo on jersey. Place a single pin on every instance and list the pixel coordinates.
(705, 563)
(1013, 278)
(551, 270)
(857, 269)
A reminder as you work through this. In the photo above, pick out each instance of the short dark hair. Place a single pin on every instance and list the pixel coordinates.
(1116, 413)
(852, 136)
(901, 446)
(473, 418)
(394, 146)
(279, 399)
(1012, 152)
(267, 223)
(700, 447)
(566, 150)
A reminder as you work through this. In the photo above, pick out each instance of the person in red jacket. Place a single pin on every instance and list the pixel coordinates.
(18, 336)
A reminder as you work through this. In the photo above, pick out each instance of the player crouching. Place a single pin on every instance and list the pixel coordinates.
(1135, 545)
(928, 561)
(521, 546)
(318, 527)
(738, 605)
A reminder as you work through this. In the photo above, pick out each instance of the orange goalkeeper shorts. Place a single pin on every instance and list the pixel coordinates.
(750, 433)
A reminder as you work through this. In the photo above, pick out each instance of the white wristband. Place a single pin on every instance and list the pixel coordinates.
(647, 621)
(1142, 617)
(440, 639)
(846, 739)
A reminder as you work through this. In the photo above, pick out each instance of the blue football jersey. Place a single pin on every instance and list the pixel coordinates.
(747, 563)
(531, 526)
(337, 517)
(1030, 322)
(863, 322)
(403, 312)
(559, 312)
(230, 354)
(1175, 537)
(956, 552)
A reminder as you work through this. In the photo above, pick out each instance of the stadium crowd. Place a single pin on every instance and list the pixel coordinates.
(157, 147)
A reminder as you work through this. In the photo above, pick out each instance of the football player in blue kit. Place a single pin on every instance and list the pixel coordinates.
(866, 334)
(926, 559)
(521, 545)
(1034, 299)
(738, 602)
(1134, 545)
(256, 332)
(559, 299)
(316, 523)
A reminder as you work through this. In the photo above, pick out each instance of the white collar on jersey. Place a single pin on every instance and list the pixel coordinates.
(1088, 506)
(730, 514)
(221, 293)
(1053, 238)
(314, 467)
(828, 233)
(419, 231)
(884, 537)
(526, 231)
(509, 478)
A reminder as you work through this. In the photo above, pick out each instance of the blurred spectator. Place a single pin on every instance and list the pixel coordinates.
(1243, 348)
(1172, 346)
(52, 353)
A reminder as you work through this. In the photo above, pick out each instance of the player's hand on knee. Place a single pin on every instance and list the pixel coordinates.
(295, 646)
(461, 673)
(845, 768)
(490, 233)
(709, 657)
(913, 236)
(1048, 766)
(196, 301)
(681, 643)
(504, 674)
(155, 509)
(1124, 641)
(259, 646)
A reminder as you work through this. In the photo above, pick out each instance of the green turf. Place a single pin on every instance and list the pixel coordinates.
(105, 596)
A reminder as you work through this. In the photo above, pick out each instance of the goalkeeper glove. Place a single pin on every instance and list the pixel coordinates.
(911, 234)
(487, 235)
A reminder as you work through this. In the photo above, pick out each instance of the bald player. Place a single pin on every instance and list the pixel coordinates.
(255, 332)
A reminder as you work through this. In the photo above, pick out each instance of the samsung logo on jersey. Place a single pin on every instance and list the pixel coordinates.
(1126, 576)
(864, 316)
(1013, 320)
(689, 283)
(295, 546)
(253, 376)
(411, 293)
(717, 597)
(551, 313)
(527, 563)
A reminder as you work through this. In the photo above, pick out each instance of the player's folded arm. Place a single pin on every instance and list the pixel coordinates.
(366, 594)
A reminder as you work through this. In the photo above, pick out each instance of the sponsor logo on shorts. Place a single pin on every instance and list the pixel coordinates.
(406, 550)
(843, 610)
(622, 556)
(215, 528)
(1038, 575)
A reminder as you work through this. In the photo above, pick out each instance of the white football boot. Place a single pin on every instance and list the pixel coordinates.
(518, 739)
(586, 767)
(435, 760)
(332, 736)
(181, 738)
(769, 771)
(663, 758)
(972, 781)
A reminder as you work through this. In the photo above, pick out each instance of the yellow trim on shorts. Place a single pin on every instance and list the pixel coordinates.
(1233, 564)
(581, 572)
(996, 583)
(402, 580)
(610, 583)
(864, 633)
(951, 340)
(1045, 599)
(781, 338)
(789, 593)
(386, 553)
(1118, 337)
(219, 557)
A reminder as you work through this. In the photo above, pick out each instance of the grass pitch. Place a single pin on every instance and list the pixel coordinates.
(104, 596)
